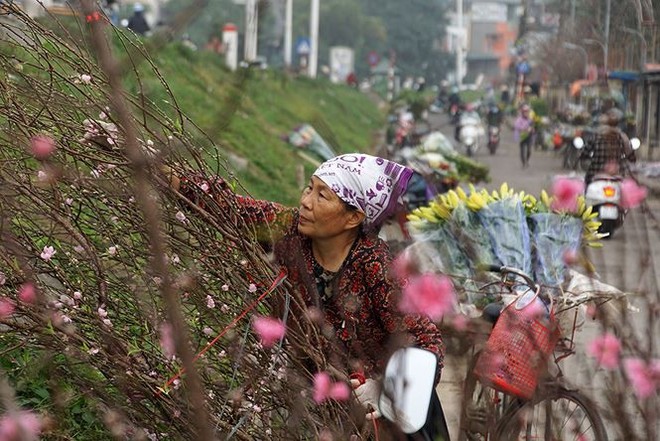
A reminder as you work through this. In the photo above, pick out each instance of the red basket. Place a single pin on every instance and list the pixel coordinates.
(517, 350)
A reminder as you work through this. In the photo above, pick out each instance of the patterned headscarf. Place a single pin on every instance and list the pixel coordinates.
(372, 184)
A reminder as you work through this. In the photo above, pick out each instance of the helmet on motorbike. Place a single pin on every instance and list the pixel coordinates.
(613, 117)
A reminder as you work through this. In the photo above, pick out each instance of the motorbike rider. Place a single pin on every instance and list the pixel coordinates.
(494, 115)
(469, 114)
(612, 150)
(523, 133)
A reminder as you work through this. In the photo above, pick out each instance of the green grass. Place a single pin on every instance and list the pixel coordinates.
(248, 113)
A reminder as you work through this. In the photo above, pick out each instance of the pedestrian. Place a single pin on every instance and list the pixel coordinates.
(333, 257)
(138, 23)
(523, 133)
(612, 151)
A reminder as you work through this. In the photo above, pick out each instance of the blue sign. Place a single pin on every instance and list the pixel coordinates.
(303, 46)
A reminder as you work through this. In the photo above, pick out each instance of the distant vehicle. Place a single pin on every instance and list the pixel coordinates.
(259, 62)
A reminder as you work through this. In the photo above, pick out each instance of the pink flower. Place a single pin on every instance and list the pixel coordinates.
(606, 350)
(47, 253)
(269, 330)
(325, 389)
(86, 78)
(644, 378)
(428, 294)
(6, 309)
(210, 303)
(252, 287)
(167, 340)
(27, 293)
(632, 194)
(20, 426)
(570, 257)
(403, 266)
(565, 192)
(42, 146)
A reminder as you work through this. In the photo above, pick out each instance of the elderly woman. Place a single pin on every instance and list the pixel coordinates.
(330, 249)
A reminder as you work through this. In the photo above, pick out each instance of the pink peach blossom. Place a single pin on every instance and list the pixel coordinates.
(7, 308)
(606, 350)
(428, 294)
(269, 330)
(20, 426)
(27, 293)
(325, 389)
(570, 256)
(47, 253)
(42, 146)
(644, 377)
(565, 193)
(632, 194)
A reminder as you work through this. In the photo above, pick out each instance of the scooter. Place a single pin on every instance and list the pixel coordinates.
(604, 194)
(470, 133)
(493, 138)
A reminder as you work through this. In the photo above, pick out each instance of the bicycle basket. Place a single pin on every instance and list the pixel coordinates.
(517, 349)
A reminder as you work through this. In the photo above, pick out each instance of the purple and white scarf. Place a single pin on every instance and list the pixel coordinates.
(372, 184)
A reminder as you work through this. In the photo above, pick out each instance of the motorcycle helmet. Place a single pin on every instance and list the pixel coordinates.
(613, 117)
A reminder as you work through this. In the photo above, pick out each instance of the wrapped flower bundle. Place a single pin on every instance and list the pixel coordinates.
(505, 227)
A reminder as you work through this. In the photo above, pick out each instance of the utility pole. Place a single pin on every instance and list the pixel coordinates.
(288, 33)
(251, 30)
(459, 43)
(314, 38)
(606, 46)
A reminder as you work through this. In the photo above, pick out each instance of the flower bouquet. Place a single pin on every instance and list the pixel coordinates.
(306, 137)
(503, 227)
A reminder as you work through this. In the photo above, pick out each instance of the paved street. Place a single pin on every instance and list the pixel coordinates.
(630, 261)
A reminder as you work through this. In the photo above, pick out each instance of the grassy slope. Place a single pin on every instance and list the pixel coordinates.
(248, 117)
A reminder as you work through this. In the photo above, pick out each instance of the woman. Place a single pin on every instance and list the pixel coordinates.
(523, 133)
(332, 254)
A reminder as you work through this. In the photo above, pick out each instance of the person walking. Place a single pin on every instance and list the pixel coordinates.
(523, 133)
(138, 23)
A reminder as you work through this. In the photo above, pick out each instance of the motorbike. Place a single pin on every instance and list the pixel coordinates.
(470, 133)
(493, 138)
(604, 194)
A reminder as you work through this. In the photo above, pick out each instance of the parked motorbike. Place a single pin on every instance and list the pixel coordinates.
(604, 194)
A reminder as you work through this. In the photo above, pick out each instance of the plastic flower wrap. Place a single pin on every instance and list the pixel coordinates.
(306, 137)
(504, 227)
(504, 221)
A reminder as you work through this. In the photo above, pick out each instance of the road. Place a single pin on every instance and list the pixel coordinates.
(629, 261)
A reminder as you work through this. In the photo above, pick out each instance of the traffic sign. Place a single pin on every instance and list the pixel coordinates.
(303, 46)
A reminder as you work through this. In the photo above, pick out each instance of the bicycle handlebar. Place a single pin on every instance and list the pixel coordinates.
(503, 269)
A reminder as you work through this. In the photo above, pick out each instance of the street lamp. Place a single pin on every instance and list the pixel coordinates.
(642, 59)
(568, 45)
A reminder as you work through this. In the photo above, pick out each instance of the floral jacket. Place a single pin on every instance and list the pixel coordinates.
(359, 302)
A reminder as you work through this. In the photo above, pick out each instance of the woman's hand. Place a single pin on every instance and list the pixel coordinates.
(368, 394)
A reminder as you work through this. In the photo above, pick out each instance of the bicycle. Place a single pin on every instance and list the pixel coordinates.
(555, 412)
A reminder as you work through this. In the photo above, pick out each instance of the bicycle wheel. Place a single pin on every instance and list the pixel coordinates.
(482, 407)
(562, 415)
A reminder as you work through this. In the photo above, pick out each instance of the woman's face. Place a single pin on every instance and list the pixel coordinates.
(323, 214)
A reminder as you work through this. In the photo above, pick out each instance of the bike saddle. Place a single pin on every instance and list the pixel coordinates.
(492, 311)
